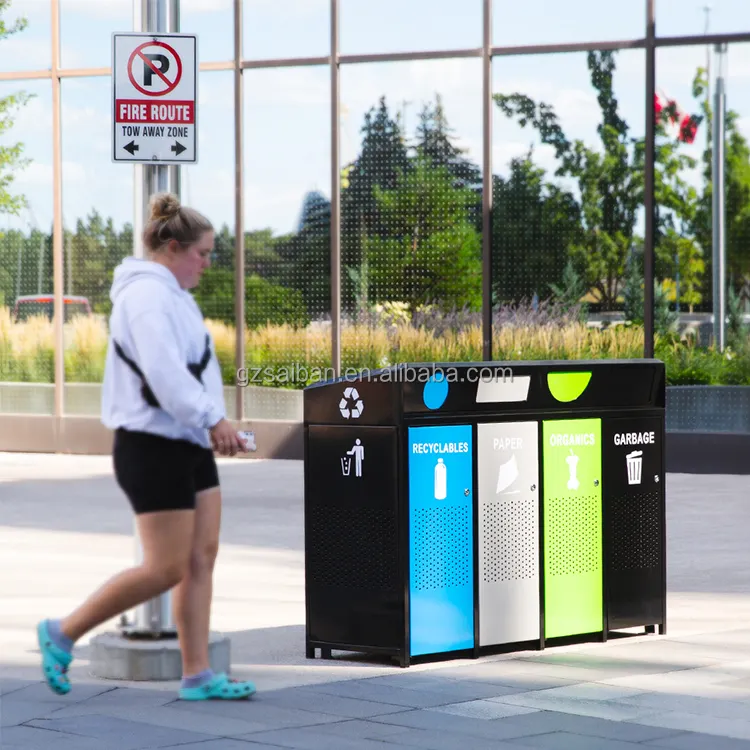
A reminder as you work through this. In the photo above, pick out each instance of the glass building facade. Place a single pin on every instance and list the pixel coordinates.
(421, 180)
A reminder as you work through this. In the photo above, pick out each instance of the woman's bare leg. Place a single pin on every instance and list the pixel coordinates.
(192, 596)
(166, 538)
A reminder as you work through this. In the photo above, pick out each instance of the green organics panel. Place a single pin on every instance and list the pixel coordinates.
(572, 461)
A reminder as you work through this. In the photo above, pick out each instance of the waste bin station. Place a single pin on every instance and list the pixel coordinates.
(459, 509)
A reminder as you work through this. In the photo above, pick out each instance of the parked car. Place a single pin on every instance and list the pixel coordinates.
(29, 305)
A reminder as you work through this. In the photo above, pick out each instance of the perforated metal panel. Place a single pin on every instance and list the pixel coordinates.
(573, 534)
(573, 531)
(442, 547)
(441, 539)
(700, 408)
(353, 583)
(353, 548)
(634, 522)
(508, 532)
(636, 532)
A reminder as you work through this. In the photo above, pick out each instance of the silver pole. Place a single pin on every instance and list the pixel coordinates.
(487, 184)
(154, 619)
(335, 194)
(239, 222)
(719, 214)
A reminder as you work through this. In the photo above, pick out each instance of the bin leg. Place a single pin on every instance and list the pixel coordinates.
(310, 652)
(663, 629)
(325, 653)
(404, 661)
(650, 629)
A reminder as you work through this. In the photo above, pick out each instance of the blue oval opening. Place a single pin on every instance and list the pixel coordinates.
(435, 391)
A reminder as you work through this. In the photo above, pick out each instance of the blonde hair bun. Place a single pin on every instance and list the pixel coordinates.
(172, 221)
(164, 206)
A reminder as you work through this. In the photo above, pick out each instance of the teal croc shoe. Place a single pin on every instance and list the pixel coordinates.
(218, 688)
(55, 661)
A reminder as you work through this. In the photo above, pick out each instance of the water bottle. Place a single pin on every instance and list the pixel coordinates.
(441, 482)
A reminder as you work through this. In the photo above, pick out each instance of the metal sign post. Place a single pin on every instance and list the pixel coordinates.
(154, 103)
(154, 107)
(719, 204)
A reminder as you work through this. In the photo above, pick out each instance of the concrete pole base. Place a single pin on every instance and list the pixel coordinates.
(114, 657)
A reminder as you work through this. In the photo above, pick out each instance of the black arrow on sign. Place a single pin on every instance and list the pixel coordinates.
(131, 147)
(178, 148)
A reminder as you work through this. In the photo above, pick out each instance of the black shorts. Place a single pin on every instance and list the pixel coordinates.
(158, 473)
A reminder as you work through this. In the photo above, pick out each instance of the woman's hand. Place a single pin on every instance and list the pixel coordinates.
(226, 440)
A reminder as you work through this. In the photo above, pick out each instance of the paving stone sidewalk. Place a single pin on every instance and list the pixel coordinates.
(687, 690)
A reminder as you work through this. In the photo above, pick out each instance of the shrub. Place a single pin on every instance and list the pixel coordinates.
(303, 354)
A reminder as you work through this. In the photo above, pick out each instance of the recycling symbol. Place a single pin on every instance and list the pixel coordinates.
(351, 405)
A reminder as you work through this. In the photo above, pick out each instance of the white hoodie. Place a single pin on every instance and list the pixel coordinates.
(160, 327)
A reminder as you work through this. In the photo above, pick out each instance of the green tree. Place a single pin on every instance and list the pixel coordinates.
(381, 162)
(215, 295)
(26, 261)
(223, 255)
(261, 256)
(534, 225)
(570, 291)
(435, 141)
(665, 318)
(11, 156)
(609, 179)
(737, 331)
(432, 254)
(271, 304)
(687, 262)
(677, 249)
(91, 254)
(306, 265)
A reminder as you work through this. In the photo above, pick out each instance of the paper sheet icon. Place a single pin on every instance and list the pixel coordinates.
(507, 474)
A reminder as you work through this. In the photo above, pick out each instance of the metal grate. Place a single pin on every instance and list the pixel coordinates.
(700, 408)
(635, 531)
(352, 548)
(573, 531)
(509, 541)
(442, 547)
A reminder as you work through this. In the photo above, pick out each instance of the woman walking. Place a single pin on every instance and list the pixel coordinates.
(163, 398)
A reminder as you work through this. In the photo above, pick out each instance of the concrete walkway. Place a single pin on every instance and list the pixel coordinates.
(65, 527)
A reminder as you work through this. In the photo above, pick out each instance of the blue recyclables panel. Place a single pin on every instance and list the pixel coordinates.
(441, 567)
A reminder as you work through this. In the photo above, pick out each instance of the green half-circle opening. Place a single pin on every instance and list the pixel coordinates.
(568, 386)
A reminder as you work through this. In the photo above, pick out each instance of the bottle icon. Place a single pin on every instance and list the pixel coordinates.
(441, 480)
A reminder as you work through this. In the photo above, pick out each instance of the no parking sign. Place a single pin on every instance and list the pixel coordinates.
(154, 98)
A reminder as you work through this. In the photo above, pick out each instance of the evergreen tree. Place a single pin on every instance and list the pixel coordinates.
(435, 143)
(665, 318)
(433, 253)
(382, 160)
(570, 291)
(534, 225)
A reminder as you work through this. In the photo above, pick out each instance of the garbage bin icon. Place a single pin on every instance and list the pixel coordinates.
(634, 463)
(346, 466)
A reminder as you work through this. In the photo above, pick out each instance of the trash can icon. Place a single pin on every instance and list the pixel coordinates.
(346, 466)
(634, 462)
